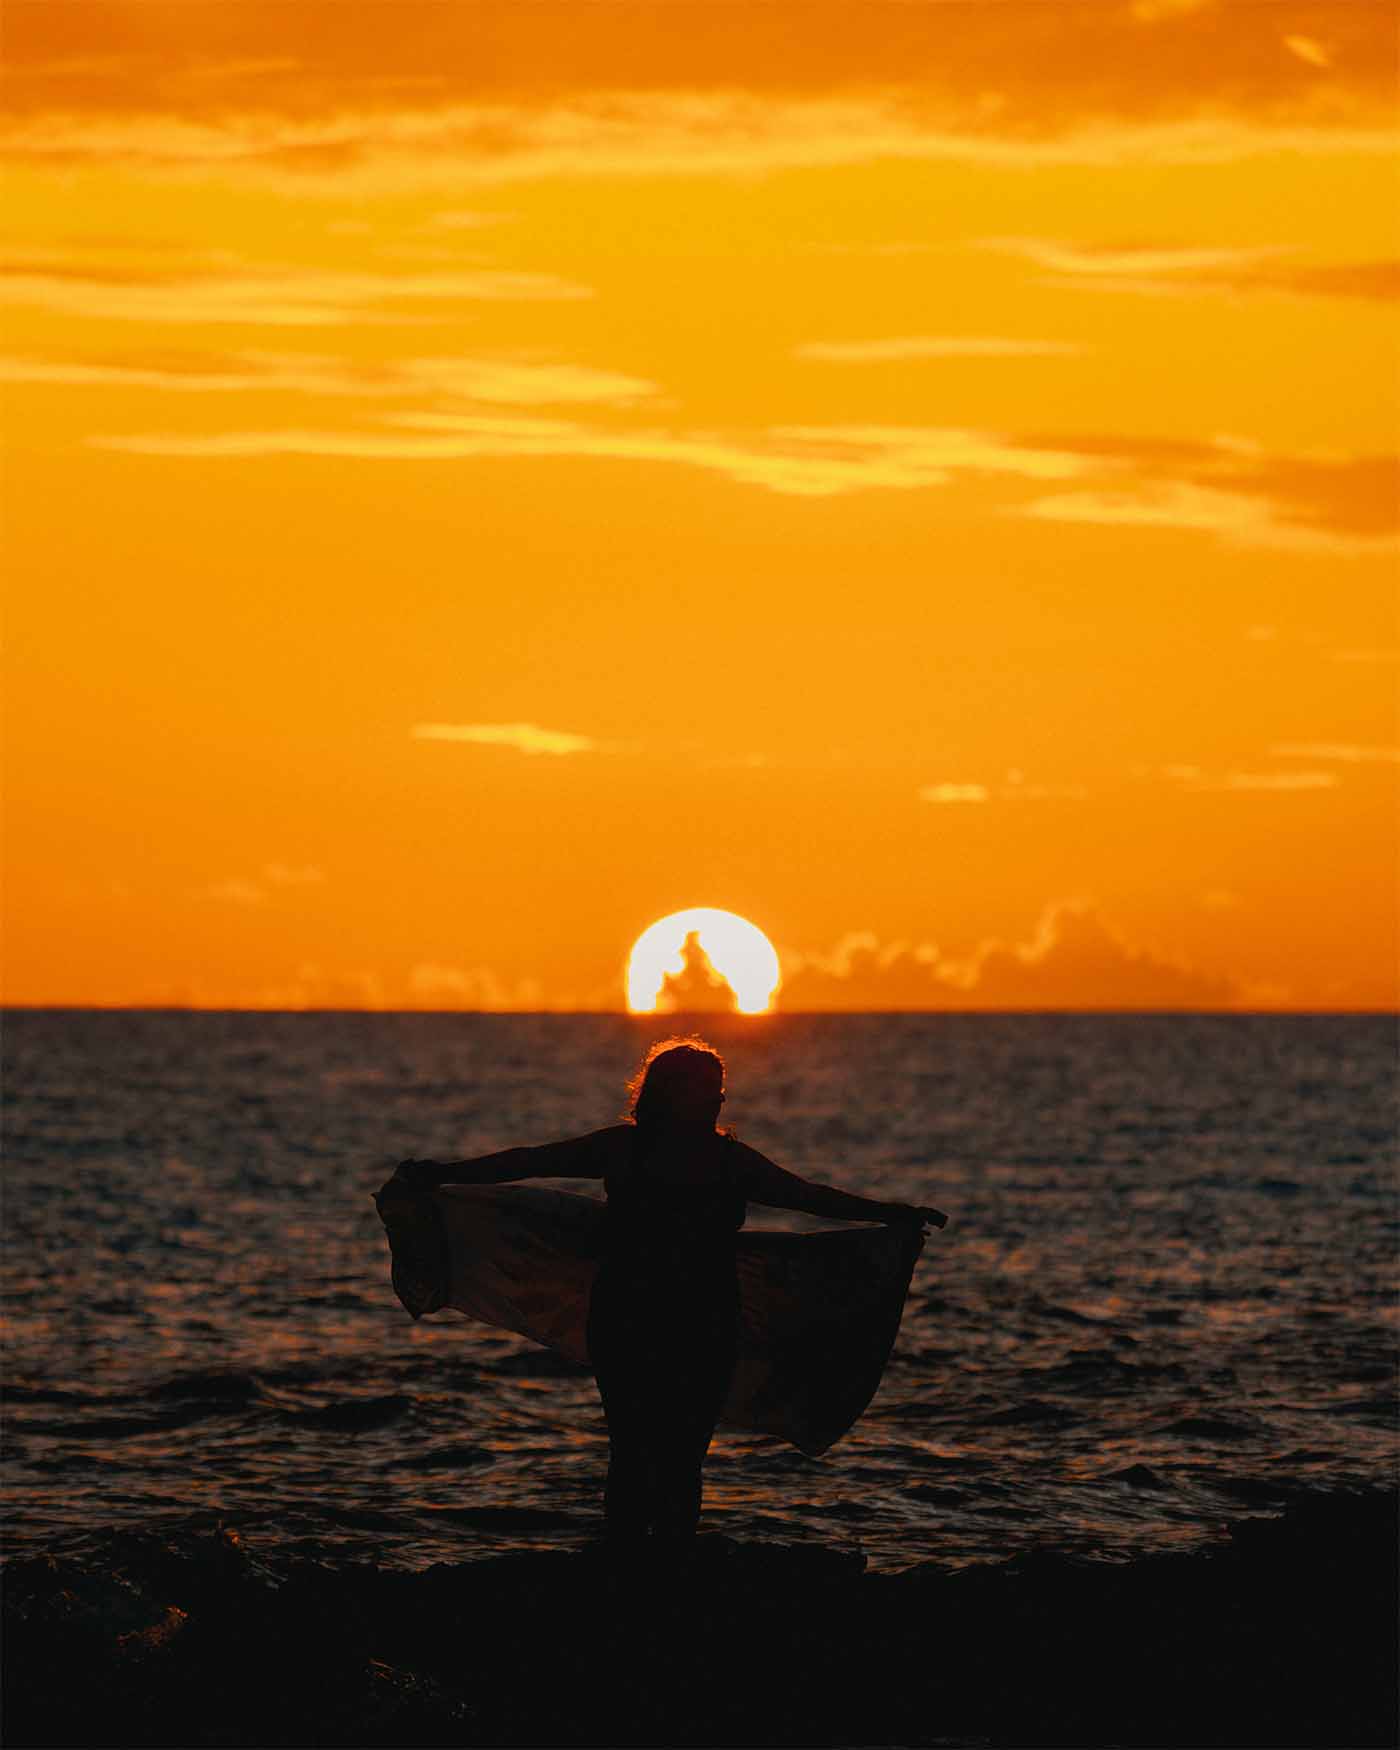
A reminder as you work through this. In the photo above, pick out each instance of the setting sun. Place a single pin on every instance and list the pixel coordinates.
(686, 960)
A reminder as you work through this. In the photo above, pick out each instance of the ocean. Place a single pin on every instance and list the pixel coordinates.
(1166, 1296)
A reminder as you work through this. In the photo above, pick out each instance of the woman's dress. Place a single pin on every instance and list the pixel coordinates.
(663, 1321)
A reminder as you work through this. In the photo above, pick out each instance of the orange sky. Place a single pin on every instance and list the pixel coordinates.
(483, 477)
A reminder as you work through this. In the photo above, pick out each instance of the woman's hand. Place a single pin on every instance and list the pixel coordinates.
(902, 1212)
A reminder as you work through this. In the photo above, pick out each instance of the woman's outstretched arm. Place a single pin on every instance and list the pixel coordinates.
(774, 1186)
(577, 1157)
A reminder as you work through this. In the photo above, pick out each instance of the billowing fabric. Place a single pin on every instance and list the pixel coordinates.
(818, 1313)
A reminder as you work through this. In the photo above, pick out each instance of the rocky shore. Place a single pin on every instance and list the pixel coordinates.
(1282, 1634)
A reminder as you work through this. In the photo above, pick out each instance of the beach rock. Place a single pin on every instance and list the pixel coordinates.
(1283, 1634)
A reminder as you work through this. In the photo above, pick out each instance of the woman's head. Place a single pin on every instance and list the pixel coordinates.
(680, 1083)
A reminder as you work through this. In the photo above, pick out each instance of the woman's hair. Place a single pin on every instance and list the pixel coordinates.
(678, 1082)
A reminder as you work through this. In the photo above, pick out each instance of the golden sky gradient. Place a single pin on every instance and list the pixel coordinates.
(485, 476)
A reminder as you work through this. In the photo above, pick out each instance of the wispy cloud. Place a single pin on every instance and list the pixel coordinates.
(526, 738)
(1193, 779)
(1309, 50)
(1378, 280)
(294, 875)
(1175, 270)
(236, 891)
(1081, 57)
(454, 145)
(933, 346)
(78, 374)
(1348, 752)
(239, 890)
(1232, 517)
(1156, 11)
(521, 383)
(495, 381)
(465, 221)
(1133, 261)
(275, 298)
(456, 95)
(1236, 491)
(1015, 788)
(803, 461)
(1226, 488)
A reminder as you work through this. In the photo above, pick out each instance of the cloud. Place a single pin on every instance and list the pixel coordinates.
(522, 384)
(1348, 752)
(1198, 782)
(914, 346)
(236, 891)
(466, 221)
(1074, 959)
(1308, 49)
(954, 793)
(491, 91)
(1379, 658)
(81, 375)
(511, 382)
(1015, 789)
(1093, 55)
(1227, 488)
(860, 972)
(435, 986)
(1173, 270)
(268, 297)
(636, 134)
(1234, 490)
(313, 987)
(1130, 261)
(1378, 280)
(526, 738)
(802, 461)
(458, 98)
(1173, 505)
(1155, 11)
(288, 875)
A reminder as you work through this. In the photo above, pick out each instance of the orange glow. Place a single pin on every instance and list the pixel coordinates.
(473, 488)
(666, 952)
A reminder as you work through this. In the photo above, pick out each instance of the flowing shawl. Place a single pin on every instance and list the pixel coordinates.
(818, 1313)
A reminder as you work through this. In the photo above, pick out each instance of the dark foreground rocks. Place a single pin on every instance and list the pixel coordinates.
(1284, 1635)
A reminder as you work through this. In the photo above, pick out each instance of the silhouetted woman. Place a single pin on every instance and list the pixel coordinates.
(663, 1315)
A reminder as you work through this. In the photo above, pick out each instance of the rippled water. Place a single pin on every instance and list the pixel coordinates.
(1165, 1295)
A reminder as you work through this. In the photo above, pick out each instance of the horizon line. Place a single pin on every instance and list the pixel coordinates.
(677, 1015)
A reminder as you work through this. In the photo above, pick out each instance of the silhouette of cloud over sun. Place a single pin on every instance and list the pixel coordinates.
(698, 988)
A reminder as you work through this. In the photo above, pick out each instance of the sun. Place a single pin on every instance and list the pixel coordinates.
(684, 961)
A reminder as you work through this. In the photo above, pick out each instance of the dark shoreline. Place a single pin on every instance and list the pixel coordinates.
(1283, 1634)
